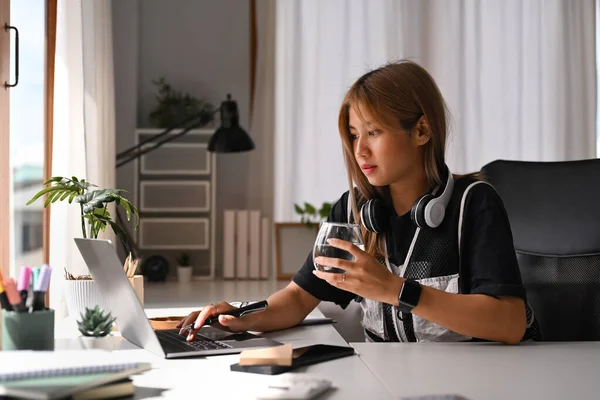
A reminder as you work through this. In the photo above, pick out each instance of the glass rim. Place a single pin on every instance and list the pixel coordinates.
(340, 224)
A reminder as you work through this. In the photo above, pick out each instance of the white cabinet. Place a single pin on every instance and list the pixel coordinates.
(175, 192)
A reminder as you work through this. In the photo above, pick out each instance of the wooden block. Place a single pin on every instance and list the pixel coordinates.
(279, 355)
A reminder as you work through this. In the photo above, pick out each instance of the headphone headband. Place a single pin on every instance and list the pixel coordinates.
(435, 209)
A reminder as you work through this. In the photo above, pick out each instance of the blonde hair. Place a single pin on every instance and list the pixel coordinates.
(396, 95)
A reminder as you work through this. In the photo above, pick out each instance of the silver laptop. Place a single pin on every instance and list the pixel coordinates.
(105, 266)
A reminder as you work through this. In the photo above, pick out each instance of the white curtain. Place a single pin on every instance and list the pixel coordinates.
(84, 133)
(99, 99)
(262, 123)
(518, 76)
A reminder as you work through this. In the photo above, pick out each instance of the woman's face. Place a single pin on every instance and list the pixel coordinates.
(385, 156)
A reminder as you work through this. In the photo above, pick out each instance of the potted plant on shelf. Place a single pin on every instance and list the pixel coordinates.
(309, 214)
(290, 237)
(95, 326)
(184, 268)
(81, 291)
(174, 106)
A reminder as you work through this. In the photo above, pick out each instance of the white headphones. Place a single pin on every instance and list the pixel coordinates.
(428, 210)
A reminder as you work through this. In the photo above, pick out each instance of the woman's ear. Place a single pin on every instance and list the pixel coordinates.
(423, 133)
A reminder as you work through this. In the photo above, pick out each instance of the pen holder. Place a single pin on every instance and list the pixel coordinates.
(28, 331)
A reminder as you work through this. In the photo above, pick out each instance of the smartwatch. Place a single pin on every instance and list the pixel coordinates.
(409, 296)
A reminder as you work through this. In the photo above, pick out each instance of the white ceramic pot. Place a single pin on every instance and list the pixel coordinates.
(184, 274)
(91, 342)
(81, 294)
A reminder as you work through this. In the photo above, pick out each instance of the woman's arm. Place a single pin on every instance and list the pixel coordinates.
(287, 307)
(500, 319)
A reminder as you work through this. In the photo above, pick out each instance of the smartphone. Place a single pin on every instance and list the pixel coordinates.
(301, 357)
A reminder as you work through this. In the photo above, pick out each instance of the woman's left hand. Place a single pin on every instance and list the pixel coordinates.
(364, 276)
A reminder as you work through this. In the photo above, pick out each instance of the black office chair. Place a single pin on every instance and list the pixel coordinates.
(554, 212)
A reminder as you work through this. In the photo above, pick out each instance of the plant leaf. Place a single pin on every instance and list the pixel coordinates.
(49, 199)
(43, 192)
(126, 205)
(298, 209)
(65, 195)
(325, 210)
(53, 179)
(120, 233)
(310, 209)
(96, 199)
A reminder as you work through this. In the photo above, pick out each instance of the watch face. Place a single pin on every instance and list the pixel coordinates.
(409, 295)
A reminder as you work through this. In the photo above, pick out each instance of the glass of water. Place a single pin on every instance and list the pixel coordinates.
(338, 230)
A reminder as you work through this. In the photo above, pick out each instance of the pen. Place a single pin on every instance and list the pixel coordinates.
(4, 298)
(35, 276)
(23, 284)
(40, 288)
(238, 312)
(10, 287)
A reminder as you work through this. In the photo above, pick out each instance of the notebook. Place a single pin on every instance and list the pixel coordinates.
(50, 375)
(113, 390)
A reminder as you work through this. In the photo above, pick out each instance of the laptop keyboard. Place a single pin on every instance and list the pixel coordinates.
(173, 340)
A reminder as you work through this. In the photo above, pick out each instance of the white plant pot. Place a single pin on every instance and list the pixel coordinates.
(91, 342)
(81, 294)
(184, 274)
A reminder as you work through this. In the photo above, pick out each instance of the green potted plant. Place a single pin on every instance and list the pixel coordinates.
(81, 291)
(184, 268)
(95, 326)
(296, 235)
(95, 216)
(310, 215)
(174, 107)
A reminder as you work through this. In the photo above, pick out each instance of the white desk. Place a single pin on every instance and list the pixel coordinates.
(200, 377)
(487, 370)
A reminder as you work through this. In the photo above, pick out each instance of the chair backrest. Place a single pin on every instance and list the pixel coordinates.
(554, 212)
(348, 321)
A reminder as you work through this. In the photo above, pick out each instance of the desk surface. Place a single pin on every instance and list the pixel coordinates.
(180, 378)
(486, 370)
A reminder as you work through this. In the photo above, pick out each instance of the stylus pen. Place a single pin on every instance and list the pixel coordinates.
(238, 312)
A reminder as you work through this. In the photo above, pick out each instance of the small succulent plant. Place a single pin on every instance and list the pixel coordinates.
(184, 260)
(95, 322)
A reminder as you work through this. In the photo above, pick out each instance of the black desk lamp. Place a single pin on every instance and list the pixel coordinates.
(229, 137)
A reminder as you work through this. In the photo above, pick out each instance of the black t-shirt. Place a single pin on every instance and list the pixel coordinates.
(488, 252)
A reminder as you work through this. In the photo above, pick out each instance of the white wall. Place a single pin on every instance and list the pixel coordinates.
(199, 46)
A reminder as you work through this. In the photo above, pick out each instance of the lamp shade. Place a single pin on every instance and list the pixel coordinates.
(230, 137)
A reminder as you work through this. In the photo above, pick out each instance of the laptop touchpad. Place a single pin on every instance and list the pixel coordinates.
(221, 335)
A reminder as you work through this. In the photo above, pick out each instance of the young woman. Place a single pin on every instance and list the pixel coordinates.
(439, 262)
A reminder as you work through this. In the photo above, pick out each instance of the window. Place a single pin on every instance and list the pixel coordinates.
(27, 133)
(4, 146)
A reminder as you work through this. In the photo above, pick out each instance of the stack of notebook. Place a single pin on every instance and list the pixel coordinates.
(89, 374)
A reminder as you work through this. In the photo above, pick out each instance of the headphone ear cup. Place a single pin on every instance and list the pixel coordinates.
(417, 212)
(374, 215)
(434, 213)
(366, 215)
